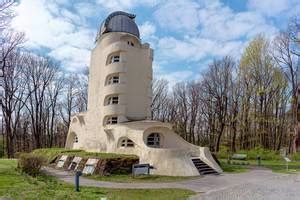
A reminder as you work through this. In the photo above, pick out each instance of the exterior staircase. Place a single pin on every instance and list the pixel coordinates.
(203, 168)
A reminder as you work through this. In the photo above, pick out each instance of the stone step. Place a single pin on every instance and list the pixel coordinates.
(202, 167)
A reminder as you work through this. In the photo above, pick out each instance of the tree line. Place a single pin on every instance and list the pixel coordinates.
(239, 103)
(38, 97)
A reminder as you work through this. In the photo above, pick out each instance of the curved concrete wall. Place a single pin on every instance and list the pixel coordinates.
(173, 158)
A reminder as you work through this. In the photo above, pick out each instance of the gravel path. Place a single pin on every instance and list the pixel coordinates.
(257, 184)
(284, 187)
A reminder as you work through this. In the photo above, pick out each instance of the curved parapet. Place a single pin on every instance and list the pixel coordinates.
(157, 144)
(169, 162)
(76, 131)
(205, 156)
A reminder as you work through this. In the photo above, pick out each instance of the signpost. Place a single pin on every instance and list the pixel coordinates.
(77, 175)
(283, 153)
(287, 160)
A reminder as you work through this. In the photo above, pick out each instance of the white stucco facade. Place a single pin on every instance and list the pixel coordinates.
(119, 99)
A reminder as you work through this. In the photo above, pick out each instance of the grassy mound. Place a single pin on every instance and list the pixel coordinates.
(51, 153)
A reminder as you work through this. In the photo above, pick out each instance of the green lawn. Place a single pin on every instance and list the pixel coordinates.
(141, 178)
(52, 153)
(274, 165)
(230, 168)
(15, 185)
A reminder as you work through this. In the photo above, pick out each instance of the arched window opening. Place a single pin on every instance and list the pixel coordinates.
(130, 43)
(111, 120)
(112, 100)
(127, 143)
(113, 79)
(74, 120)
(153, 140)
(114, 59)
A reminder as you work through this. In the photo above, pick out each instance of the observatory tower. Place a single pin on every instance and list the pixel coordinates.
(119, 99)
(121, 72)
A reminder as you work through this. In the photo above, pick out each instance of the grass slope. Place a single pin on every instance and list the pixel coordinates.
(19, 186)
(51, 153)
(274, 165)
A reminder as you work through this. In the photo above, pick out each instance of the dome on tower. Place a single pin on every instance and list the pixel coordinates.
(119, 22)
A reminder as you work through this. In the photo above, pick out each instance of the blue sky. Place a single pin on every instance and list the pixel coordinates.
(185, 35)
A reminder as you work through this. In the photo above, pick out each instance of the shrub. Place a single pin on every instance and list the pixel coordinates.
(265, 154)
(223, 153)
(30, 163)
(295, 156)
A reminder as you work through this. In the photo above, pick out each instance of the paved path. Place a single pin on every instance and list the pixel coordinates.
(258, 184)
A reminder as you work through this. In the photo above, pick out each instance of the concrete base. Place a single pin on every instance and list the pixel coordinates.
(172, 157)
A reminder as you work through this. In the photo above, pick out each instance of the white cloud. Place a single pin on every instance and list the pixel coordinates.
(209, 29)
(86, 9)
(221, 23)
(211, 19)
(270, 7)
(48, 25)
(147, 30)
(282, 9)
(178, 15)
(71, 57)
(126, 5)
(173, 77)
(196, 48)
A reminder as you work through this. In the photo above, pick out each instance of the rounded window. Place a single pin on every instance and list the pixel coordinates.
(74, 120)
(113, 99)
(112, 79)
(113, 58)
(125, 142)
(76, 139)
(110, 120)
(153, 140)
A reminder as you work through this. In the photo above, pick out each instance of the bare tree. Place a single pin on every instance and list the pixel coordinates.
(39, 73)
(159, 99)
(216, 85)
(6, 13)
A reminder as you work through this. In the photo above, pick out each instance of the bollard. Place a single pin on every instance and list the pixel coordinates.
(77, 175)
(258, 160)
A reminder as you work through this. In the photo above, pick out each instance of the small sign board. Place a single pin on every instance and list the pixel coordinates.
(141, 169)
(90, 166)
(74, 164)
(62, 161)
(283, 152)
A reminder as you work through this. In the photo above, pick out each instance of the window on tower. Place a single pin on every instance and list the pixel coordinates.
(113, 79)
(130, 43)
(114, 59)
(76, 139)
(112, 100)
(111, 120)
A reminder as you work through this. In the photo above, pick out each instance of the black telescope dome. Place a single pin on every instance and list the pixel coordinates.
(119, 22)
